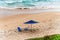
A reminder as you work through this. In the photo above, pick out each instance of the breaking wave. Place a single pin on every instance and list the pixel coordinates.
(28, 3)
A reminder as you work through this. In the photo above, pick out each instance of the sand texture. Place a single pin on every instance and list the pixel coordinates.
(49, 23)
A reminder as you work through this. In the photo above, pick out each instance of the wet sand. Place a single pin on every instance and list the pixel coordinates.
(49, 23)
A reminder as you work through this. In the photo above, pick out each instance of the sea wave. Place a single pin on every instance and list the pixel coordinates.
(27, 3)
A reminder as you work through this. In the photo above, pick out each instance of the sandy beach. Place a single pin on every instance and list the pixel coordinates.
(14, 13)
(49, 23)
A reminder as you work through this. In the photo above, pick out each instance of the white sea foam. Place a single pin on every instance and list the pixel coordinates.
(40, 5)
(11, 4)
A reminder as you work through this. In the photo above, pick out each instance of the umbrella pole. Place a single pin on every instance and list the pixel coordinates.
(31, 27)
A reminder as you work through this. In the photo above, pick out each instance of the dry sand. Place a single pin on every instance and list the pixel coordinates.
(49, 23)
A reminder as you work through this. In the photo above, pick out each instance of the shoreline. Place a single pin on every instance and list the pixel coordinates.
(10, 12)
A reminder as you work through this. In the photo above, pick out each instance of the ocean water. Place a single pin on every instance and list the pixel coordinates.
(28, 3)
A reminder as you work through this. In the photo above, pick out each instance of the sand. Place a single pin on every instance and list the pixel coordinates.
(49, 23)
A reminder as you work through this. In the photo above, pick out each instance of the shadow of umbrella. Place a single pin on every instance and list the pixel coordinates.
(31, 22)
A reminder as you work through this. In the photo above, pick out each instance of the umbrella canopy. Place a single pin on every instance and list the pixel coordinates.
(31, 22)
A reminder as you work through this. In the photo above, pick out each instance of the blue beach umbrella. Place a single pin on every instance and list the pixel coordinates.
(31, 22)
